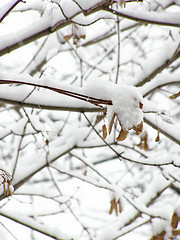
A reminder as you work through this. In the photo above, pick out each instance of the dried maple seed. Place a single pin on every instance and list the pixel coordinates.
(174, 220)
(47, 142)
(120, 206)
(157, 138)
(174, 96)
(114, 206)
(159, 236)
(140, 105)
(104, 128)
(111, 124)
(176, 232)
(144, 142)
(122, 135)
(123, 3)
(68, 37)
(138, 128)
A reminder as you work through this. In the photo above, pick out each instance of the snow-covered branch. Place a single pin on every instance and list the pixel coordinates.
(32, 224)
(163, 19)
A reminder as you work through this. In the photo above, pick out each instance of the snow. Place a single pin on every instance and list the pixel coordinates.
(126, 100)
(128, 97)
(70, 8)
(87, 4)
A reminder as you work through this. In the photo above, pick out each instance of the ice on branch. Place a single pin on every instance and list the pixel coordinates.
(5, 180)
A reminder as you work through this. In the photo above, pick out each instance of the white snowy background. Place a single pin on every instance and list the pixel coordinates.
(68, 68)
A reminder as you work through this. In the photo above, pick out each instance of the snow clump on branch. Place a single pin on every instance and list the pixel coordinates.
(126, 105)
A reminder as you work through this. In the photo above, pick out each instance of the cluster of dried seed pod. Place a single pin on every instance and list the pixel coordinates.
(175, 219)
(115, 206)
(5, 180)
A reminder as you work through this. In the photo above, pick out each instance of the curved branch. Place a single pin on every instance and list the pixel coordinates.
(158, 82)
(9, 10)
(158, 18)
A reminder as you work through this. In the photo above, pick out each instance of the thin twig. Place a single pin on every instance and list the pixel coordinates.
(9, 10)
(118, 50)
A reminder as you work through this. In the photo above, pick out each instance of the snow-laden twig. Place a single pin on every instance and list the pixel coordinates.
(8, 8)
(34, 225)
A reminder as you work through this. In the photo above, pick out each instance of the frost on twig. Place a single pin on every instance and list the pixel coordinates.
(5, 180)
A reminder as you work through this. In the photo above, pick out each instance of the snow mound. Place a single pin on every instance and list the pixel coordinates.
(126, 105)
